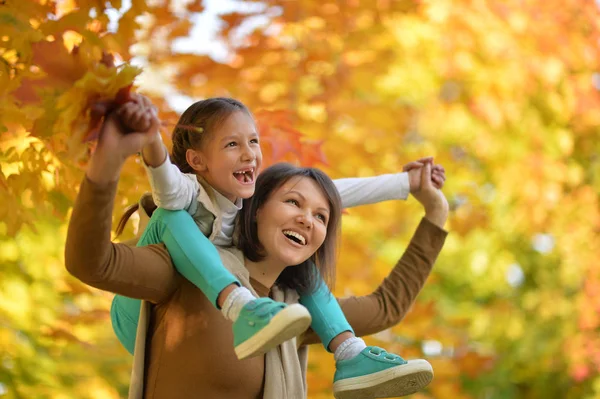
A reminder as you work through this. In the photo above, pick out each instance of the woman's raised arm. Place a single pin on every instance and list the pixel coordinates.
(144, 272)
(390, 302)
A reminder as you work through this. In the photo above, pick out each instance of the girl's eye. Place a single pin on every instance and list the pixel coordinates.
(254, 141)
(293, 202)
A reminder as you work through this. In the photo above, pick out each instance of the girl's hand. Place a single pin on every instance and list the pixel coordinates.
(134, 115)
(117, 143)
(438, 173)
(432, 199)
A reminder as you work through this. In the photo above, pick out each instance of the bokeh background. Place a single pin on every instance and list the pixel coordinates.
(504, 94)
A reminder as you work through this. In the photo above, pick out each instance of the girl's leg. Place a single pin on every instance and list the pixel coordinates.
(328, 320)
(361, 370)
(125, 311)
(196, 258)
(193, 255)
(124, 315)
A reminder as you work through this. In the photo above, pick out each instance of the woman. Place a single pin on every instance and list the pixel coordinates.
(184, 327)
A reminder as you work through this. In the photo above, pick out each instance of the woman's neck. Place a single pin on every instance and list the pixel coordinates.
(265, 271)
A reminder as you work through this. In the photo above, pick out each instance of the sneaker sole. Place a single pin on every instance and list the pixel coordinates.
(285, 325)
(398, 381)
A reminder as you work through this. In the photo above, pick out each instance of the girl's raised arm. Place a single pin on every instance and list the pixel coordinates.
(357, 191)
(171, 189)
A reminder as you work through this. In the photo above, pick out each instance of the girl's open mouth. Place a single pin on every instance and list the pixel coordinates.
(245, 176)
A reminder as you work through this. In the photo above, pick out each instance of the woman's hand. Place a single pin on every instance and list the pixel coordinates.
(117, 143)
(432, 199)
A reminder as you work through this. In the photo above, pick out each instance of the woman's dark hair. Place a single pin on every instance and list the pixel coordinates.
(195, 126)
(303, 278)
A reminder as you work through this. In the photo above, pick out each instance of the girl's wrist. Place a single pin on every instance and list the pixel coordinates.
(154, 154)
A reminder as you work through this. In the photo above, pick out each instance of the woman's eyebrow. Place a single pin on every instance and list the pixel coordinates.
(321, 208)
(292, 191)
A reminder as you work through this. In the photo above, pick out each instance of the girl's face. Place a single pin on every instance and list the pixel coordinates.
(292, 223)
(231, 158)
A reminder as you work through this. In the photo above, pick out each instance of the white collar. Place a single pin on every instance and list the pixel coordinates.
(226, 206)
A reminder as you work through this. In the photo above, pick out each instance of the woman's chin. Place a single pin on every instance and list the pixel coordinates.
(292, 260)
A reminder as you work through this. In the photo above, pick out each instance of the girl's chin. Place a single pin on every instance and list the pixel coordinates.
(245, 191)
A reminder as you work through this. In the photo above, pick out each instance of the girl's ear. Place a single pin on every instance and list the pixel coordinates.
(196, 160)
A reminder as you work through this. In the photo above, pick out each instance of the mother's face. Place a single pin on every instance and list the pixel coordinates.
(292, 223)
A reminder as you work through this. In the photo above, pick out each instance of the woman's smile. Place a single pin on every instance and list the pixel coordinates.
(294, 237)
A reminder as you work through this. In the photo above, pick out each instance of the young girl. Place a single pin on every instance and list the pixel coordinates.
(217, 152)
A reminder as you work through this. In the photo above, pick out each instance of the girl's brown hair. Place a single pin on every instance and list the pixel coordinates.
(194, 128)
(197, 124)
(305, 277)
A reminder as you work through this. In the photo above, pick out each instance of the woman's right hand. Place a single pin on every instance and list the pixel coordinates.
(116, 144)
(432, 199)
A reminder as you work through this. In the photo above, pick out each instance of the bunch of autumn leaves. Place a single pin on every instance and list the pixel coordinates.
(72, 91)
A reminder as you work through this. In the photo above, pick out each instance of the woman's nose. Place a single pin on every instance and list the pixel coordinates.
(306, 219)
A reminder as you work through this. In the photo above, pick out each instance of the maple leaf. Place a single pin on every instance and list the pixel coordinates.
(93, 96)
(59, 69)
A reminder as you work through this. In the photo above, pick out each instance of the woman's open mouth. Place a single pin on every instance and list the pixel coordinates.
(295, 237)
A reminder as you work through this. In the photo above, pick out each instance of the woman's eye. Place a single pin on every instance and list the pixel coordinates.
(231, 144)
(322, 217)
(293, 202)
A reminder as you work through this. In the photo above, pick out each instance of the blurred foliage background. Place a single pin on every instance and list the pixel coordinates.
(504, 94)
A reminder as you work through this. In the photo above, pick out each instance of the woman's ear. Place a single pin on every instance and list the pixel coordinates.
(196, 160)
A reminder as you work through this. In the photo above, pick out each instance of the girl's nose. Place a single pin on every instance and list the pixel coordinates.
(248, 154)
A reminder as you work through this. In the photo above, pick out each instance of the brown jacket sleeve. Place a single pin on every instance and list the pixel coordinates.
(390, 302)
(137, 272)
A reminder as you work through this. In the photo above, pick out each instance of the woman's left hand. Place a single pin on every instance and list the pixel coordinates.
(432, 198)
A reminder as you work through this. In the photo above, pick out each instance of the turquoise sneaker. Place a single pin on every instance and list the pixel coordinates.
(264, 323)
(375, 373)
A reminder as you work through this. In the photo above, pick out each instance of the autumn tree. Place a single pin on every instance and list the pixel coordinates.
(503, 93)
